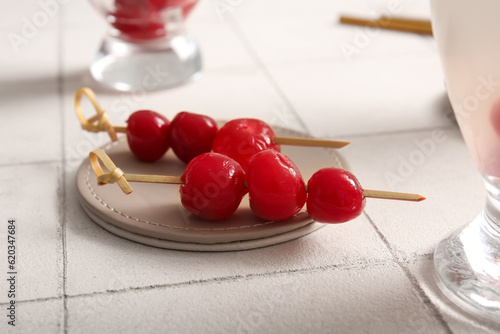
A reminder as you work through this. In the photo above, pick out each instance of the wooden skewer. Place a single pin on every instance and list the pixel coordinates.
(398, 24)
(103, 124)
(393, 195)
(400, 20)
(310, 142)
(116, 175)
(293, 141)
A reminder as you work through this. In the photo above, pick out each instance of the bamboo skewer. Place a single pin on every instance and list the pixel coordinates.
(310, 142)
(100, 122)
(393, 195)
(412, 22)
(103, 123)
(400, 24)
(116, 175)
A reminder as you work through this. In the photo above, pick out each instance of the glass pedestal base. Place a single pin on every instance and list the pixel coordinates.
(131, 65)
(467, 264)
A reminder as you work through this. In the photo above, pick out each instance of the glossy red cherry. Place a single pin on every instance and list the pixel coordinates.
(242, 138)
(191, 134)
(147, 135)
(275, 186)
(137, 19)
(334, 196)
(213, 186)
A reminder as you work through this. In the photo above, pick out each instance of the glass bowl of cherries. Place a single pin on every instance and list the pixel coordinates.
(146, 47)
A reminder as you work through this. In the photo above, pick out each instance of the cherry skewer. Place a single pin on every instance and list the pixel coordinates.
(280, 140)
(100, 122)
(115, 175)
(235, 186)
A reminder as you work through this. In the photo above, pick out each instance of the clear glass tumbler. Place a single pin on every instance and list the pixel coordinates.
(146, 47)
(467, 262)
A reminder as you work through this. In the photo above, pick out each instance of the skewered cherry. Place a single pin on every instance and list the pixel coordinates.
(242, 138)
(191, 134)
(275, 186)
(334, 196)
(147, 135)
(213, 186)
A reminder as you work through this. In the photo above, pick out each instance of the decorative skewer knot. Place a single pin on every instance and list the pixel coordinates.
(103, 123)
(115, 174)
(112, 177)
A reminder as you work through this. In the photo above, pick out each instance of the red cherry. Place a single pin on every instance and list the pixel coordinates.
(137, 20)
(275, 186)
(147, 135)
(191, 134)
(334, 196)
(242, 138)
(213, 186)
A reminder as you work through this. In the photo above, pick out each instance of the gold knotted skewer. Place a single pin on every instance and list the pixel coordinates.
(116, 175)
(100, 122)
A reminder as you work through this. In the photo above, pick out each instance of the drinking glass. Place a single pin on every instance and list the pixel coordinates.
(146, 47)
(467, 262)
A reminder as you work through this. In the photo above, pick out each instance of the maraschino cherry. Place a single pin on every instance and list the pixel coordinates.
(275, 186)
(334, 196)
(242, 138)
(147, 135)
(213, 186)
(191, 134)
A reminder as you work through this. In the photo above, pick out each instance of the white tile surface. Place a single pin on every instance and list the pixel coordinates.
(37, 317)
(315, 35)
(29, 194)
(433, 163)
(313, 301)
(29, 58)
(366, 96)
(283, 63)
(30, 129)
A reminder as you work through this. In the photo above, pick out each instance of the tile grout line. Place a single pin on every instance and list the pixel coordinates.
(62, 216)
(413, 281)
(344, 267)
(263, 68)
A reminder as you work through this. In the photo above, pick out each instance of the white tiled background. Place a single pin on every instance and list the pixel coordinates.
(280, 61)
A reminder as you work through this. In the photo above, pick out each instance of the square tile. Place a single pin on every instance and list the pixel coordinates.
(29, 195)
(313, 301)
(317, 36)
(30, 58)
(377, 95)
(31, 122)
(45, 316)
(433, 163)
